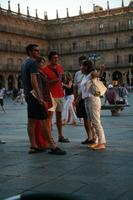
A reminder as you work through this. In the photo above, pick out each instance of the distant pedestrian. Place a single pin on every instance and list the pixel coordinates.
(124, 94)
(2, 93)
(68, 112)
(21, 95)
(110, 95)
(15, 94)
(119, 95)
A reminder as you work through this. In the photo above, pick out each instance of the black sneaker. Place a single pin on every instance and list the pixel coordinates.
(57, 151)
(91, 142)
(1, 142)
(85, 141)
(63, 140)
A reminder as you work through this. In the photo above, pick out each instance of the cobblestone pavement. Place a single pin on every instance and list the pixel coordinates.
(106, 175)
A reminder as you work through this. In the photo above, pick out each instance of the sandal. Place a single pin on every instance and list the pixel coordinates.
(64, 140)
(98, 147)
(57, 151)
(35, 150)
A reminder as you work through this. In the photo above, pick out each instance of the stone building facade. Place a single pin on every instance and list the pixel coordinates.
(105, 36)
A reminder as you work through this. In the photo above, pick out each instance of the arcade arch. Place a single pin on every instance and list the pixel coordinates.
(117, 77)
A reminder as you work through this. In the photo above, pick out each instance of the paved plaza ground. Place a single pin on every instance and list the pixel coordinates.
(106, 175)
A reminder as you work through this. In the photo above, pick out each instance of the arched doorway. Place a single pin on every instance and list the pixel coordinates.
(10, 82)
(19, 82)
(103, 78)
(117, 78)
(2, 84)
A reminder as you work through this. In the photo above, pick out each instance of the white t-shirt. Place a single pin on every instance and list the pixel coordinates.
(2, 93)
(77, 80)
(83, 86)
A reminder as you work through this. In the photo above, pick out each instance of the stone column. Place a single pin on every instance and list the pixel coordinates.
(15, 80)
(108, 77)
(124, 77)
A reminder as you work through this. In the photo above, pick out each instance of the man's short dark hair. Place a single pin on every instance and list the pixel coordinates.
(52, 53)
(89, 64)
(30, 47)
(81, 58)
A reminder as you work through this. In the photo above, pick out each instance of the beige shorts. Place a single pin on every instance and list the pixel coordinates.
(58, 104)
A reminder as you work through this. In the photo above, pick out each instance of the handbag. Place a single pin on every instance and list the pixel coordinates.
(96, 87)
(80, 109)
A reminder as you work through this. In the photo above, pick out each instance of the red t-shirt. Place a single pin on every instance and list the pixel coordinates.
(55, 89)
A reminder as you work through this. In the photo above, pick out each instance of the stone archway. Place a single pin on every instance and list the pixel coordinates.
(117, 77)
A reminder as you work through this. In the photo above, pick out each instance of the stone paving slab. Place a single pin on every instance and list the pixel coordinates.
(106, 175)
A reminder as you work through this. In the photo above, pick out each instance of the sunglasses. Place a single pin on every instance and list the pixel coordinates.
(37, 50)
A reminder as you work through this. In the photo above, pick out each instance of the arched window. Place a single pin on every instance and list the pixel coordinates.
(9, 43)
(74, 45)
(101, 27)
(10, 63)
(130, 23)
(87, 44)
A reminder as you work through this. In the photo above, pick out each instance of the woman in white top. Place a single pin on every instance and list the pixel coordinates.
(92, 105)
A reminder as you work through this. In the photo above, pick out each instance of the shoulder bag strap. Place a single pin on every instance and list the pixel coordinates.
(55, 71)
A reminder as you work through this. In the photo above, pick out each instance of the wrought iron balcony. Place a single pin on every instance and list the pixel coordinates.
(16, 48)
(9, 68)
(88, 32)
(91, 48)
(23, 32)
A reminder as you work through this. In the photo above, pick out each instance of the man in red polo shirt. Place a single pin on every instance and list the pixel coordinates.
(54, 74)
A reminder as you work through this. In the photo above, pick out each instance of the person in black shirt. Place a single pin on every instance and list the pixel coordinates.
(69, 99)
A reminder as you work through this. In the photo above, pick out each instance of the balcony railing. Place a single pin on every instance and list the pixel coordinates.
(109, 66)
(120, 65)
(9, 68)
(69, 50)
(89, 32)
(13, 48)
(84, 49)
(16, 48)
(23, 32)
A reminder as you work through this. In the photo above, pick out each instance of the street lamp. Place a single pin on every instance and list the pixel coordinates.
(94, 57)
